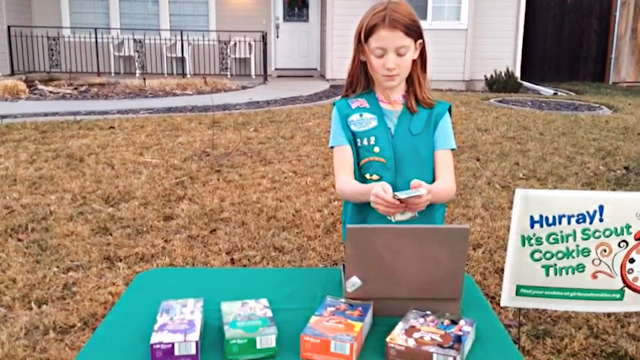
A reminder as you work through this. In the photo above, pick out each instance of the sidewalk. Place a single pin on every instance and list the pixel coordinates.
(276, 88)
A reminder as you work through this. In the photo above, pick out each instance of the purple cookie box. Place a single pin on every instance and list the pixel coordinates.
(176, 334)
(166, 351)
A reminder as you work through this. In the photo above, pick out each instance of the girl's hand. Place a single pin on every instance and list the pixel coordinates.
(418, 203)
(381, 199)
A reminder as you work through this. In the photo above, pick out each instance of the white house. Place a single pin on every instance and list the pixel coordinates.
(466, 39)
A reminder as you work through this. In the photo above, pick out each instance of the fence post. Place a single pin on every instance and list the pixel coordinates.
(182, 52)
(264, 57)
(10, 50)
(95, 33)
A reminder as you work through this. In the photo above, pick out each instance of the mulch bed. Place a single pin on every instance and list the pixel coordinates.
(332, 92)
(550, 105)
(111, 92)
(60, 87)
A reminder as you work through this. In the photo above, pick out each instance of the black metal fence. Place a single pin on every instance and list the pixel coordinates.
(39, 49)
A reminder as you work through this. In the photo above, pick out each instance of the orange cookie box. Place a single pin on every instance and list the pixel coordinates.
(337, 330)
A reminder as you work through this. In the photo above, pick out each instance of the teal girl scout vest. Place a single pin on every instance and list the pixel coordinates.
(377, 155)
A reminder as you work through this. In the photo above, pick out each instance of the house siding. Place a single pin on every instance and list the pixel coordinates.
(46, 13)
(18, 12)
(494, 37)
(344, 15)
(454, 55)
(323, 36)
(12, 12)
(445, 54)
(447, 46)
(490, 41)
(243, 15)
(246, 15)
(4, 51)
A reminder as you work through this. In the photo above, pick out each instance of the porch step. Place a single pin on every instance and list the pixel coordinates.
(296, 73)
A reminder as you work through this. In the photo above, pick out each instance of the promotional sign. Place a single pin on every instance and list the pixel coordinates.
(573, 250)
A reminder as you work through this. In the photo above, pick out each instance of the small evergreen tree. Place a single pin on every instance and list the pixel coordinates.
(502, 82)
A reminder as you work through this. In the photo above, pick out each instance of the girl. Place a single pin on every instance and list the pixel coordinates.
(387, 133)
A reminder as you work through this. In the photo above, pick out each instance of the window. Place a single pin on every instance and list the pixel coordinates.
(154, 15)
(420, 7)
(189, 14)
(139, 14)
(443, 14)
(295, 10)
(89, 13)
(446, 10)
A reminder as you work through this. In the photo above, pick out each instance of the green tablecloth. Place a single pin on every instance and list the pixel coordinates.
(294, 294)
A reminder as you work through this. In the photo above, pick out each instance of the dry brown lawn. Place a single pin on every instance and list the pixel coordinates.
(85, 206)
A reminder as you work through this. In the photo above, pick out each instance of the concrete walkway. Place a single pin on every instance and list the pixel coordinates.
(276, 88)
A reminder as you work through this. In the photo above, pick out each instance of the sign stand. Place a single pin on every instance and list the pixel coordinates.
(520, 347)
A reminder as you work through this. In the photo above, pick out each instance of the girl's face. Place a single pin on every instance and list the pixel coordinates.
(389, 56)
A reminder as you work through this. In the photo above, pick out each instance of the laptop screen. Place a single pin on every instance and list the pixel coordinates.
(405, 261)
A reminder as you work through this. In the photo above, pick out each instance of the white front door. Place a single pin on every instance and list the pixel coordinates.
(297, 34)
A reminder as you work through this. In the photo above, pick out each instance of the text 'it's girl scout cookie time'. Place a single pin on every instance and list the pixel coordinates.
(249, 329)
(337, 330)
(176, 334)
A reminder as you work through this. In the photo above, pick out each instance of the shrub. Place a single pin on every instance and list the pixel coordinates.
(12, 89)
(502, 82)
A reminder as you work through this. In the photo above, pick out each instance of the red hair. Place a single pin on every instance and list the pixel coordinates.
(394, 15)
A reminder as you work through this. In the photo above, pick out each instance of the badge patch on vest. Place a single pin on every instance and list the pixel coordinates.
(373, 177)
(358, 102)
(362, 121)
(372, 158)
